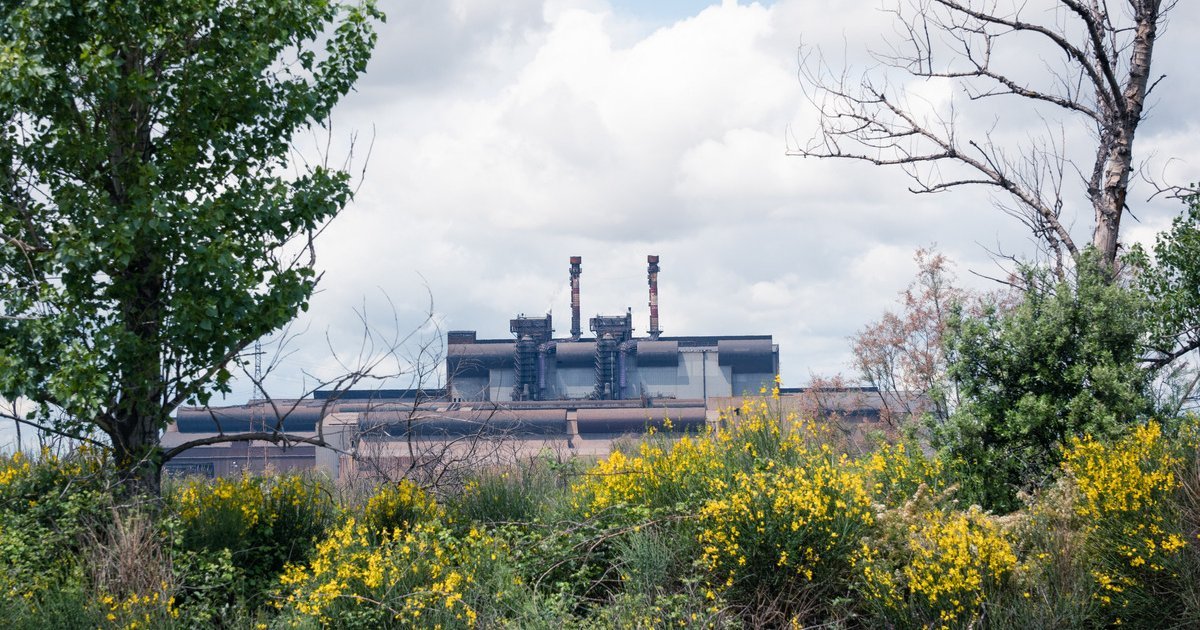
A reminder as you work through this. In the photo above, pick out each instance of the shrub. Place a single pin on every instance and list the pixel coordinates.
(522, 493)
(933, 566)
(48, 505)
(772, 529)
(1126, 493)
(263, 521)
(131, 572)
(1052, 583)
(894, 472)
(419, 577)
(1063, 363)
(398, 506)
(669, 473)
(663, 474)
(650, 559)
(769, 505)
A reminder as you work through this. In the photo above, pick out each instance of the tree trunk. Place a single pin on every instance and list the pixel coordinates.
(139, 414)
(1123, 123)
(138, 286)
(138, 457)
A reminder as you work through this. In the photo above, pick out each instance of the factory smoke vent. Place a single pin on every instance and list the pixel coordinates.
(576, 267)
(652, 277)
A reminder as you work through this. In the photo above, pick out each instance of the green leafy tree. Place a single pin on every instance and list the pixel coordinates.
(1064, 362)
(150, 227)
(1172, 283)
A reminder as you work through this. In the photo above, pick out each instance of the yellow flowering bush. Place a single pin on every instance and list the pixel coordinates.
(48, 503)
(266, 521)
(661, 473)
(1125, 503)
(153, 610)
(667, 471)
(220, 512)
(398, 506)
(417, 577)
(23, 476)
(779, 525)
(893, 472)
(13, 467)
(934, 567)
(765, 499)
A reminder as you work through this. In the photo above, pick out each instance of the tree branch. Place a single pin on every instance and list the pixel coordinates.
(287, 439)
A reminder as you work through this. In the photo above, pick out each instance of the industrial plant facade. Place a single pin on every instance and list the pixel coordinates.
(612, 364)
(506, 399)
(615, 367)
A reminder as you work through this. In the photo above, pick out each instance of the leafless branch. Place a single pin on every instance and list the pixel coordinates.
(51, 429)
(274, 437)
(1103, 82)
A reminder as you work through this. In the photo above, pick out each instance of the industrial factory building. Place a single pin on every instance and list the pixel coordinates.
(612, 364)
(507, 399)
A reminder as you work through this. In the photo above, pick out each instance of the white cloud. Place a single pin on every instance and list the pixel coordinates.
(511, 135)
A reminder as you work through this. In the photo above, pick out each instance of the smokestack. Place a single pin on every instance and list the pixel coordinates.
(652, 276)
(576, 266)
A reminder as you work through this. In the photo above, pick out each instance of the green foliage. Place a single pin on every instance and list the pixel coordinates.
(47, 506)
(515, 495)
(1062, 363)
(787, 531)
(1052, 586)
(212, 587)
(263, 522)
(649, 558)
(1171, 282)
(146, 210)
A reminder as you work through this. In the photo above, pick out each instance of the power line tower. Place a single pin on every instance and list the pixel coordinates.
(258, 352)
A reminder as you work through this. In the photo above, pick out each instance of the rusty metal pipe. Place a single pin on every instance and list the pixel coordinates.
(576, 267)
(652, 277)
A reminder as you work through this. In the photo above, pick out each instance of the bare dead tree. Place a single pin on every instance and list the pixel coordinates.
(427, 438)
(437, 442)
(1101, 78)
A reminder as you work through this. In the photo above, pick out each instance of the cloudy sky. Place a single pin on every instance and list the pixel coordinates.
(508, 135)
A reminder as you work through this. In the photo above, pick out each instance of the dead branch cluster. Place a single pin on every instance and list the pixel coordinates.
(1096, 70)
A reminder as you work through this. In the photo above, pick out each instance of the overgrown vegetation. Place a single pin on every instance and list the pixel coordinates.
(765, 521)
(1062, 363)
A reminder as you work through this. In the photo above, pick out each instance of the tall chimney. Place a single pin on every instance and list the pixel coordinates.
(576, 266)
(652, 275)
